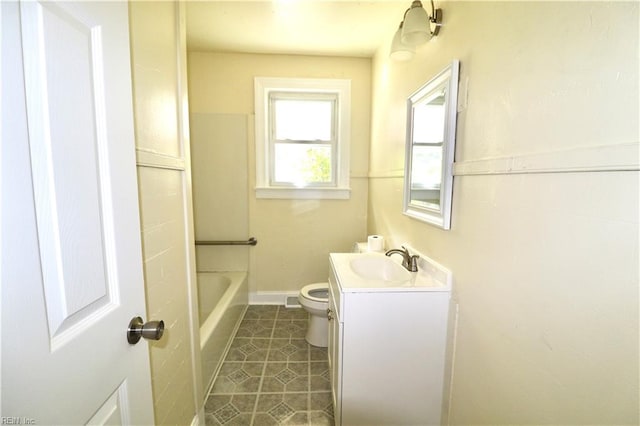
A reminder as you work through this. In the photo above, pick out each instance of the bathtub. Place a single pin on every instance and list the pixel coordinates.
(222, 299)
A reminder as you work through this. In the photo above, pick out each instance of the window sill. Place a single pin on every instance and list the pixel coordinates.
(304, 193)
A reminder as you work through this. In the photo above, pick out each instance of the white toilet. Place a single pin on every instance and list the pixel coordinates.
(314, 298)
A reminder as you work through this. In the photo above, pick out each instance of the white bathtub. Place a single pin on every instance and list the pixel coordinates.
(222, 300)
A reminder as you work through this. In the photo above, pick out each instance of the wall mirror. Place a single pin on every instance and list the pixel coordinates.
(430, 148)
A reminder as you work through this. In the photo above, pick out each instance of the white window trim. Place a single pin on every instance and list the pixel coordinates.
(264, 85)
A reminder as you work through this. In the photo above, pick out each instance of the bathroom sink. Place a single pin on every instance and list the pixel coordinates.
(373, 272)
(379, 268)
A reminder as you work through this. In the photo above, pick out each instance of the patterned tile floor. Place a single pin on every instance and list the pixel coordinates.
(271, 375)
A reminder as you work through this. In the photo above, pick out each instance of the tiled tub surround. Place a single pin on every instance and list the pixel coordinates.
(271, 375)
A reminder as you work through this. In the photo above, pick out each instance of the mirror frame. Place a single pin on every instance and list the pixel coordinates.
(447, 79)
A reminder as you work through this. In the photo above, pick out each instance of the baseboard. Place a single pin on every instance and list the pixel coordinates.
(272, 298)
(198, 419)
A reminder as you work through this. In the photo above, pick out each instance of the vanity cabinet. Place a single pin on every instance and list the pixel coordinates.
(386, 351)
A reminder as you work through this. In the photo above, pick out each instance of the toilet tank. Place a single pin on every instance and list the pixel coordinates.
(359, 247)
(362, 248)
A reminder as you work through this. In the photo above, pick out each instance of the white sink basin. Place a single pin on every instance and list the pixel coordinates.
(374, 272)
(379, 268)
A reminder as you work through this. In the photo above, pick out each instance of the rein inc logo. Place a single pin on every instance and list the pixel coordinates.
(17, 421)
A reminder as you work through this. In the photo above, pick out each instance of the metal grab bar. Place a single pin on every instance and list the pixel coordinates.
(250, 242)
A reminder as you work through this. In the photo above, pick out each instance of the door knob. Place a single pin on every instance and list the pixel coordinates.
(151, 330)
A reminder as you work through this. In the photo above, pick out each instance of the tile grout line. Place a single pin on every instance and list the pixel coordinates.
(264, 368)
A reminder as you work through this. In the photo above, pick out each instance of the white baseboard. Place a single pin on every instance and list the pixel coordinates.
(198, 419)
(270, 297)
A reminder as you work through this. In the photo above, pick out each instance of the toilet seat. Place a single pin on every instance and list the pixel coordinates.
(310, 292)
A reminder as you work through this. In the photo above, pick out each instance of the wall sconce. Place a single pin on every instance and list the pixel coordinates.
(399, 50)
(417, 27)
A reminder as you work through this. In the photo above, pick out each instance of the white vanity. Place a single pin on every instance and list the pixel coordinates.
(387, 339)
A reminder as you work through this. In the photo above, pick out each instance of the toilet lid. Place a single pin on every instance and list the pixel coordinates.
(318, 292)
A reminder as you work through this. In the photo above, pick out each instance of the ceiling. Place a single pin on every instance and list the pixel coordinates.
(304, 27)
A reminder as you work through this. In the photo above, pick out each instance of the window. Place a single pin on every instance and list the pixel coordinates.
(302, 138)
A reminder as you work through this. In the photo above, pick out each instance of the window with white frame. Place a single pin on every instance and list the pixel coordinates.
(302, 138)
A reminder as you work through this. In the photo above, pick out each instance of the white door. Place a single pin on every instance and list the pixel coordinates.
(71, 252)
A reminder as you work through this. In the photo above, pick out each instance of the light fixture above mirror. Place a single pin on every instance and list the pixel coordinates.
(417, 27)
(399, 50)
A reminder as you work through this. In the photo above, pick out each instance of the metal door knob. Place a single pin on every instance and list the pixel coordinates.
(151, 330)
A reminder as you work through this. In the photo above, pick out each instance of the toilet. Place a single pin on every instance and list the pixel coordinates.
(314, 299)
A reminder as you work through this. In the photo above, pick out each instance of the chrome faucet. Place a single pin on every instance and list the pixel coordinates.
(408, 261)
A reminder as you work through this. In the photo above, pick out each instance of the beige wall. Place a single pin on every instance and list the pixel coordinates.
(220, 188)
(164, 190)
(295, 236)
(545, 265)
